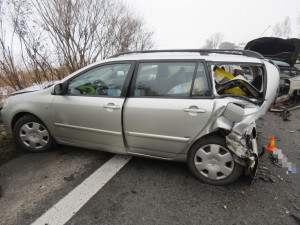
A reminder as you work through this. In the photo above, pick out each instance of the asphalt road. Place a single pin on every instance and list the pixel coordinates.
(147, 191)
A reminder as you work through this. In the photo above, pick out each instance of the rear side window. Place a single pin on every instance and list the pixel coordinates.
(170, 79)
(238, 79)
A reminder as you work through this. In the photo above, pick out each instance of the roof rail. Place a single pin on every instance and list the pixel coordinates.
(200, 51)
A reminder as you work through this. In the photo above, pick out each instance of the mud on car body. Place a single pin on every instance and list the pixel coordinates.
(181, 105)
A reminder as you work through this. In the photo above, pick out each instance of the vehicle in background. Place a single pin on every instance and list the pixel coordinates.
(285, 54)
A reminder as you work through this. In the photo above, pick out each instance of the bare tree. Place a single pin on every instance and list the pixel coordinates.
(283, 29)
(58, 37)
(213, 41)
(277, 32)
(10, 74)
(35, 52)
(128, 32)
(226, 45)
(73, 29)
(84, 31)
(286, 27)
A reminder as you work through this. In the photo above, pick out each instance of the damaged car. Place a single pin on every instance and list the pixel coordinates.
(193, 106)
(285, 54)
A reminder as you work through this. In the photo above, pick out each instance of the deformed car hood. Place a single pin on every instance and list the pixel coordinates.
(286, 50)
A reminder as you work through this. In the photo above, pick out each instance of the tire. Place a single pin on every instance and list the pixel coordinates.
(211, 161)
(32, 134)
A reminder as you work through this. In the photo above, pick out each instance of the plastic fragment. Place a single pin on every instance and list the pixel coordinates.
(70, 178)
(272, 178)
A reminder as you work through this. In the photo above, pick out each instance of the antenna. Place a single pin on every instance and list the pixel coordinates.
(265, 30)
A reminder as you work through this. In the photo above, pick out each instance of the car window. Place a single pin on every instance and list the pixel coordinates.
(164, 79)
(238, 79)
(105, 80)
(200, 87)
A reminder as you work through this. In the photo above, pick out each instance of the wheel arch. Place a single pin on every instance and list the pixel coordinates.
(22, 118)
(20, 115)
(217, 137)
(217, 133)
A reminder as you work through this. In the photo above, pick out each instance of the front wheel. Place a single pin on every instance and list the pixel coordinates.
(32, 135)
(211, 161)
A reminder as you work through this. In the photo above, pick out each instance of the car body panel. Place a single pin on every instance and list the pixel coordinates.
(163, 125)
(285, 50)
(39, 105)
(81, 119)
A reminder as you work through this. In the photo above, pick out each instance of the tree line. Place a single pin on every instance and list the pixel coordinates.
(45, 40)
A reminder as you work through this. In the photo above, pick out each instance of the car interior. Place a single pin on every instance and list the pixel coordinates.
(236, 79)
(101, 81)
(170, 79)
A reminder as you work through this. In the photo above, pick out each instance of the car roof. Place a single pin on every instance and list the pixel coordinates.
(214, 57)
(228, 55)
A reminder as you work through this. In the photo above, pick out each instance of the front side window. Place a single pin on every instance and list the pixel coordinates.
(104, 80)
(171, 79)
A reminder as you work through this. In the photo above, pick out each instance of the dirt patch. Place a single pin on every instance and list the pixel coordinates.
(8, 147)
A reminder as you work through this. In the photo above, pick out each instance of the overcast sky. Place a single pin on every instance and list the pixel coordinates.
(188, 23)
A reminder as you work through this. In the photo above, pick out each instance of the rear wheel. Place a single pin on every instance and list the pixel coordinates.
(32, 134)
(211, 161)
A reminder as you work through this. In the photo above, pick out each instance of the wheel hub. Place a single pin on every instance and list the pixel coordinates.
(34, 135)
(214, 161)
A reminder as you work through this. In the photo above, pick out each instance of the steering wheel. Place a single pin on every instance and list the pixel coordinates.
(100, 84)
(100, 87)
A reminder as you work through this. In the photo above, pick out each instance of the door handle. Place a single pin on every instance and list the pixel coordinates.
(193, 110)
(109, 106)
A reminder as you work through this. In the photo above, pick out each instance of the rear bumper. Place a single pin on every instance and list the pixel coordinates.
(245, 149)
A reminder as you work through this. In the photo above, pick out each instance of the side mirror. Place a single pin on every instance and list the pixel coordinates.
(58, 89)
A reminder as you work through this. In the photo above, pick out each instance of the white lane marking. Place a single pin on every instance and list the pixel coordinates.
(63, 210)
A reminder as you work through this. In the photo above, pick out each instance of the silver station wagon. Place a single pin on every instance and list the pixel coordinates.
(193, 106)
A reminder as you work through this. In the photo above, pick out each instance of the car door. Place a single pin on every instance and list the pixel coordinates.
(169, 105)
(89, 113)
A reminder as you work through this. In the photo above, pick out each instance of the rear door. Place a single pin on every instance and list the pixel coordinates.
(170, 103)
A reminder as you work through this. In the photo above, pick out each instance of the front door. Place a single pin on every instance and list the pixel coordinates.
(89, 114)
